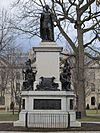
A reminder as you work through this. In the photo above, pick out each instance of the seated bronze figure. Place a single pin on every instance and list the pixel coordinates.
(47, 84)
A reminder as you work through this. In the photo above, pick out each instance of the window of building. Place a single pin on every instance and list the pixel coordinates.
(92, 100)
(17, 75)
(2, 100)
(17, 86)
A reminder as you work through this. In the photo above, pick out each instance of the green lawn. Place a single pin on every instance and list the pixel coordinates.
(90, 119)
(92, 115)
(93, 112)
(8, 116)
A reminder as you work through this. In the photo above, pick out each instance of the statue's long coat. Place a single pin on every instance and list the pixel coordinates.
(42, 34)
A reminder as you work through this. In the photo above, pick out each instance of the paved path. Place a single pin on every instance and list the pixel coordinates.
(53, 132)
(81, 122)
(90, 127)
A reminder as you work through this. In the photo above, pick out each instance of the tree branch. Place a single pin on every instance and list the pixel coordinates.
(94, 50)
(91, 16)
(66, 12)
(67, 38)
(90, 28)
(85, 7)
(81, 2)
(87, 44)
(72, 3)
(70, 55)
(91, 57)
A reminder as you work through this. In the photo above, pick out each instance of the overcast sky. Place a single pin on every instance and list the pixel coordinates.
(5, 3)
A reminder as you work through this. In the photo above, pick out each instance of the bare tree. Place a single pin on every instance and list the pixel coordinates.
(15, 74)
(3, 81)
(11, 65)
(6, 35)
(78, 22)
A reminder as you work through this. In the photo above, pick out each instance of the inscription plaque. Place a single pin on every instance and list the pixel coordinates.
(46, 104)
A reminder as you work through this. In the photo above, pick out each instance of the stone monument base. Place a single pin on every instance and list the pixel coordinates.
(47, 120)
(47, 109)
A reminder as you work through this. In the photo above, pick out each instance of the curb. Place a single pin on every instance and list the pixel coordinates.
(6, 121)
(81, 122)
(90, 122)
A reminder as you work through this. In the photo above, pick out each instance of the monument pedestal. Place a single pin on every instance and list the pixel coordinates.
(46, 108)
(47, 62)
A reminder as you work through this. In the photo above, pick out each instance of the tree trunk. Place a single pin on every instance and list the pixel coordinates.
(19, 105)
(80, 84)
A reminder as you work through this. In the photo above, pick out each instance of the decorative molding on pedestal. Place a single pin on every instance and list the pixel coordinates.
(47, 47)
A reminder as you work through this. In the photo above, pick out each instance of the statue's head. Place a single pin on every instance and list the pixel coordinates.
(46, 7)
(28, 62)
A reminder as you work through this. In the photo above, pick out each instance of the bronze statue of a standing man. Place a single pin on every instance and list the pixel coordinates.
(46, 25)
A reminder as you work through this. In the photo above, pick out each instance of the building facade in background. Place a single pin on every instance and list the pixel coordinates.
(92, 85)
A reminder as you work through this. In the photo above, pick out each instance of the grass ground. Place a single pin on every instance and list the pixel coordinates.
(92, 116)
(8, 116)
(93, 112)
(90, 119)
